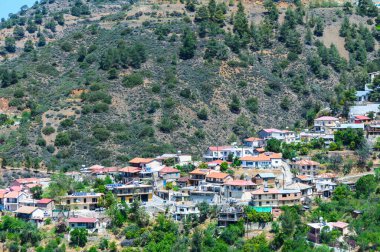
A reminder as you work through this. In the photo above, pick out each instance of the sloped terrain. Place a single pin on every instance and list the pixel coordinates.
(138, 96)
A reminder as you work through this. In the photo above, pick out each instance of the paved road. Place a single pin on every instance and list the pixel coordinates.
(354, 176)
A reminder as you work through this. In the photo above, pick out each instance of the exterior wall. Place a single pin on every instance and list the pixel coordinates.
(80, 203)
(84, 225)
(265, 200)
(237, 192)
(145, 194)
(12, 204)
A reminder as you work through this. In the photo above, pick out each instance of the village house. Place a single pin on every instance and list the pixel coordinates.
(46, 204)
(32, 214)
(304, 179)
(254, 142)
(12, 200)
(197, 176)
(230, 215)
(81, 201)
(218, 177)
(306, 136)
(345, 126)
(183, 182)
(325, 188)
(306, 190)
(168, 174)
(325, 124)
(265, 178)
(373, 128)
(147, 164)
(262, 161)
(314, 234)
(361, 119)
(102, 173)
(224, 152)
(43, 182)
(271, 197)
(130, 173)
(215, 164)
(80, 222)
(178, 159)
(135, 190)
(239, 189)
(182, 210)
(306, 167)
(283, 135)
(198, 196)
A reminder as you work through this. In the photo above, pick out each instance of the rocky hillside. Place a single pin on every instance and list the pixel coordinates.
(103, 81)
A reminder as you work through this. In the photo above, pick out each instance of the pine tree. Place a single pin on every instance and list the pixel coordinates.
(240, 21)
(308, 37)
(345, 27)
(271, 8)
(28, 46)
(319, 27)
(10, 44)
(41, 40)
(189, 45)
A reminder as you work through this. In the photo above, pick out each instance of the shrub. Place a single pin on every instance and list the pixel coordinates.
(67, 123)
(66, 46)
(48, 130)
(50, 148)
(41, 142)
(252, 104)
(202, 114)
(166, 125)
(19, 93)
(101, 134)
(100, 107)
(235, 104)
(62, 139)
(186, 93)
(133, 80)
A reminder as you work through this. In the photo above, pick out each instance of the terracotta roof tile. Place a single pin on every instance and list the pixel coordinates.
(82, 220)
(217, 175)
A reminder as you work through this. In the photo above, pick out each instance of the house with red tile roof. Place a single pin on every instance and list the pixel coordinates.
(130, 173)
(12, 200)
(197, 176)
(361, 119)
(45, 203)
(169, 174)
(306, 167)
(218, 177)
(82, 222)
(263, 160)
(283, 135)
(239, 189)
(272, 197)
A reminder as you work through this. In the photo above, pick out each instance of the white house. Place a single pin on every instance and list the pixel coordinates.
(33, 214)
(306, 190)
(88, 223)
(184, 209)
(12, 200)
(254, 142)
(264, 160)
(282, 135)
(222, 152)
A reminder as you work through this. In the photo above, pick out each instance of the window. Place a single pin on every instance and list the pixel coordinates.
(84, 200)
